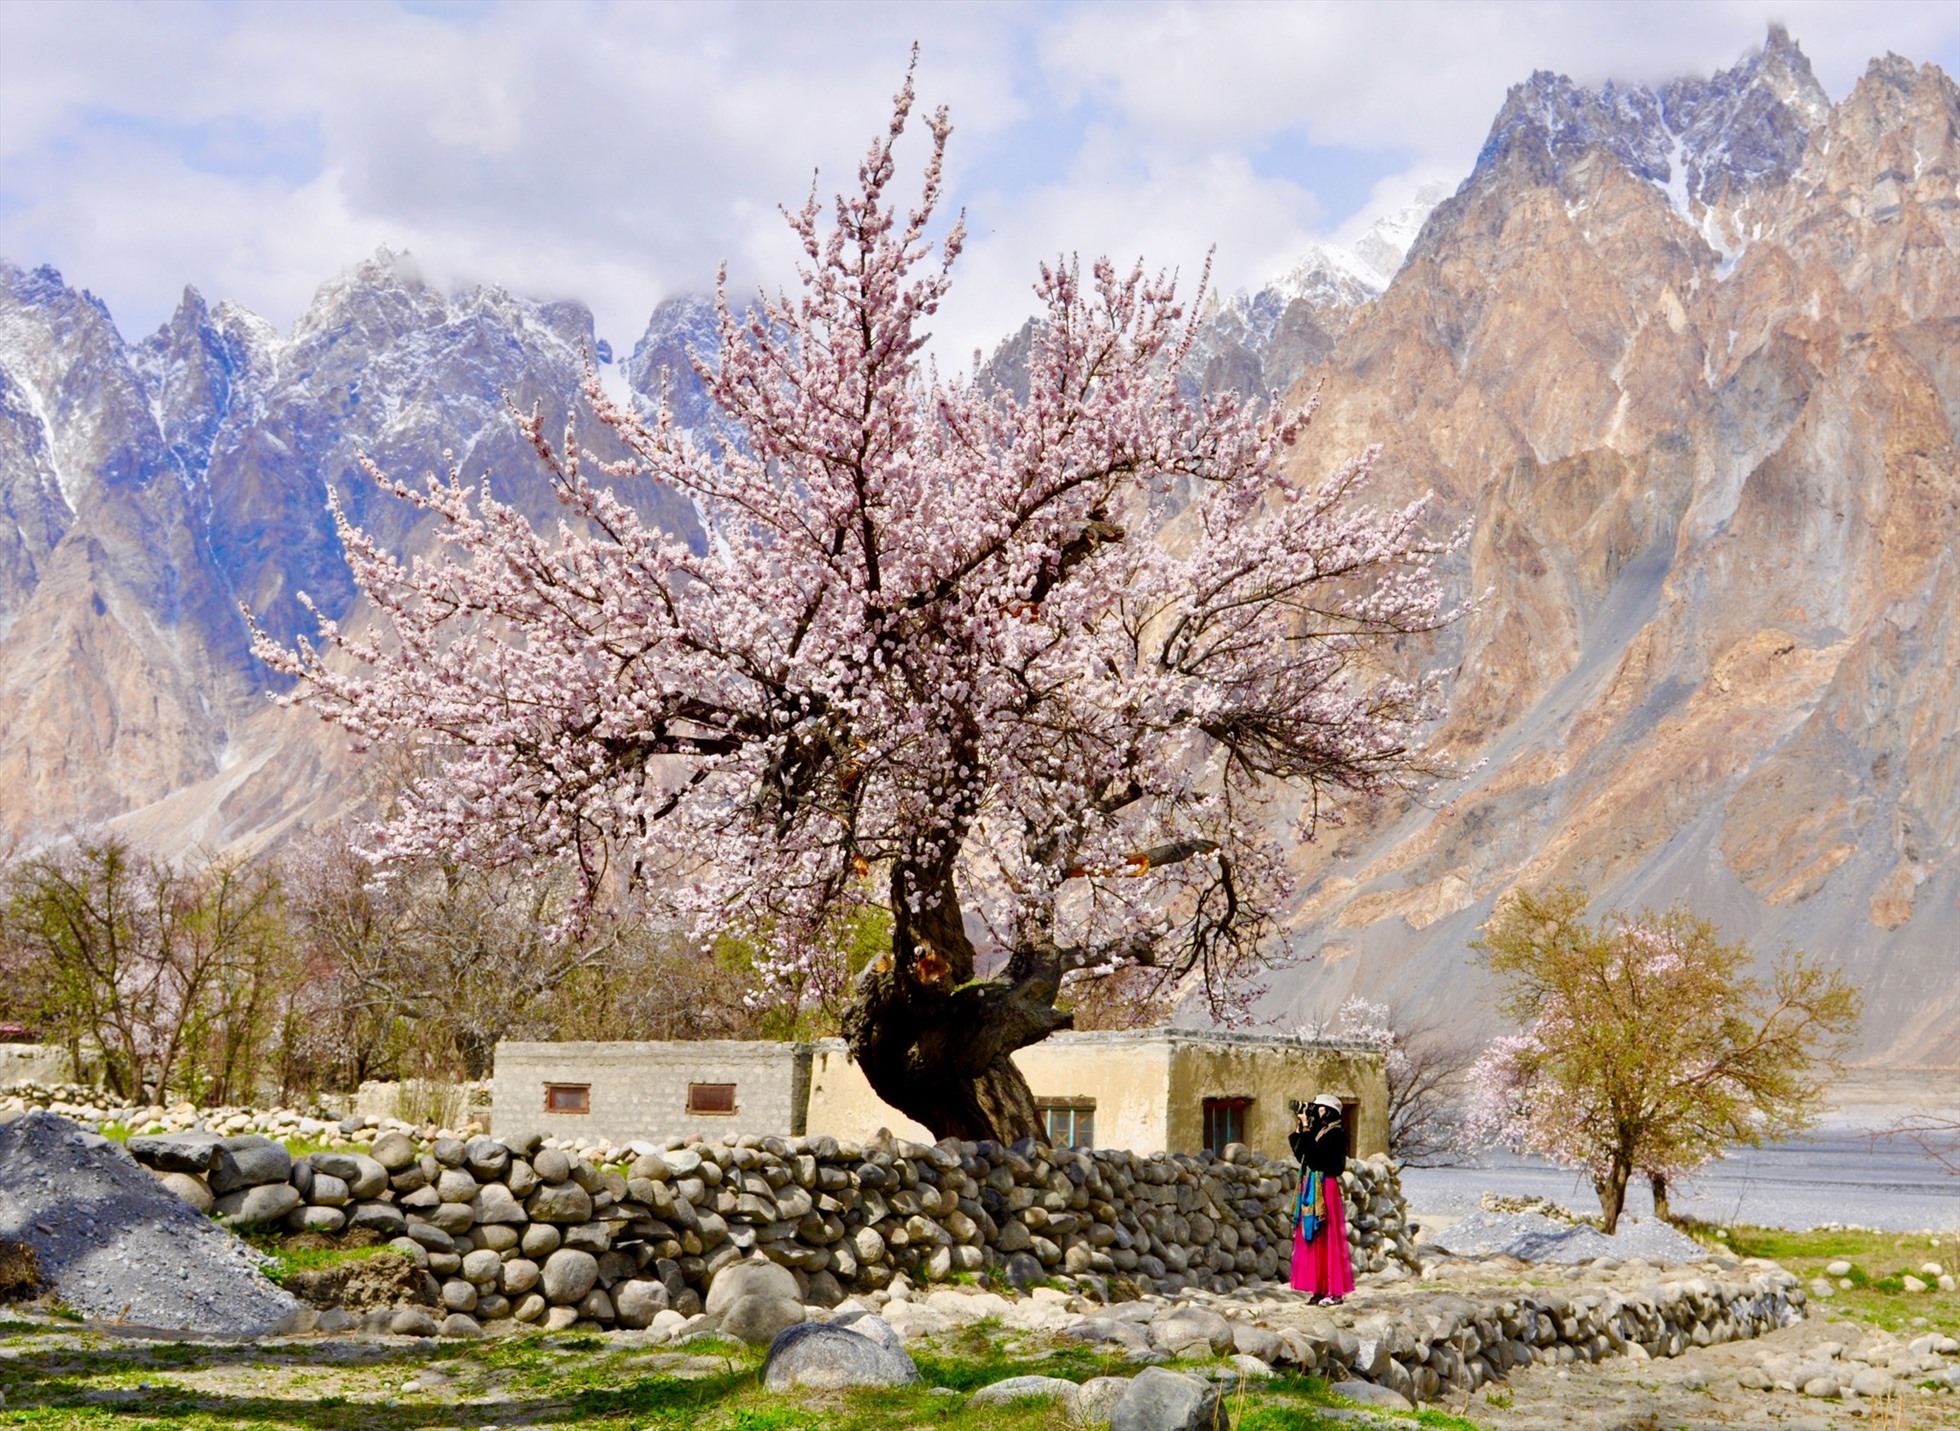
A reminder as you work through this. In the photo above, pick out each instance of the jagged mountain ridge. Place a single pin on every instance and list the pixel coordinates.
(1710, 451)
(1682, 351)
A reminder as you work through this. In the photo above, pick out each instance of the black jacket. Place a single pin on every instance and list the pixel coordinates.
(1322, 1147)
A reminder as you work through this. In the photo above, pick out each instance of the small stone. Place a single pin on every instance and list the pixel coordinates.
(1824, 1388)
(551, 1165)
(460, 1325)
(412, 1322)
(482, 1266)
(1839, 1268)
(529, 1308)
(394, 1151)
(1366, 1393)
(560, 1319)
(596, 1306)
(1913, 1284)
(1022, 1388)
(459, 1295)
(539, 1241)
(638, 1302)
(519, 1275)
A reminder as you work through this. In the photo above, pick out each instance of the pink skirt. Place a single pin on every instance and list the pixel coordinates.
(1322, 1265)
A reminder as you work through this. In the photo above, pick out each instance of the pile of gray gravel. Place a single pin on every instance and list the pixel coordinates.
(1533, 1237)
(114, 1245)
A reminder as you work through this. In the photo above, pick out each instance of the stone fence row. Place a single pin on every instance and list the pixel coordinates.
(524, 1230)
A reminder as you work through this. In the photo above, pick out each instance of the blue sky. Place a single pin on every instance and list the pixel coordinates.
(615, 152)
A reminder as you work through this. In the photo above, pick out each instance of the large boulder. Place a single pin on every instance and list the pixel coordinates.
(257, 1206)
(1161, 1400)
(827, 1357)
(249, 1161)
(1192, 1332)
(751, 1279)
(177, 1152)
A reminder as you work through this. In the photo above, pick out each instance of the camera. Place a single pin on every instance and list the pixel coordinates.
(1297, 1106)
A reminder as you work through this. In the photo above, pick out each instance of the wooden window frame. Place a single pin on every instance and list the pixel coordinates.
(1233, 1104)
(583, 1091)
(695, 1108)
(1082, 1110)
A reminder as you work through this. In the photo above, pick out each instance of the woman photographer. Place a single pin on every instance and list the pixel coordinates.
(1320, 1246)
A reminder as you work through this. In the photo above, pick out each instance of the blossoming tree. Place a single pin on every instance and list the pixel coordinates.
(1052, 681)
(1647, 1047)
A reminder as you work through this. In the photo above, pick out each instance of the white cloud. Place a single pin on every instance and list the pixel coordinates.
(616, 152)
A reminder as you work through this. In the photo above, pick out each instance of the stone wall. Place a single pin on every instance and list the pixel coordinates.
(491, 1218)
(641, 1087)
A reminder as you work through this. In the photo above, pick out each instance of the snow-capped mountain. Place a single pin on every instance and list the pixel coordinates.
(1684, 352)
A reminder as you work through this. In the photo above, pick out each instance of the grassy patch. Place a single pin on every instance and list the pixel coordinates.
(1880, 1263)
(288, 1259)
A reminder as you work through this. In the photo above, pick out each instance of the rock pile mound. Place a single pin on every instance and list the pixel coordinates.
(114, 1245)
(1534, 1237)
(525, 1230)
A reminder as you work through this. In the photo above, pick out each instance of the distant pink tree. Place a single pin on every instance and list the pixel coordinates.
(1028, 675)
(1646, 1046)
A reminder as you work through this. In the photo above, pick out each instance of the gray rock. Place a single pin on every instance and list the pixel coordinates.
(176, 1152)
(756, 1319)
(482, 1266)
(460, 1325)
(365, 1177)
(448, 1152)
(568, 1275)
(1257, 1341)
(1191, 1331)
(486, 1157)
(248, 1162)
(596, 1306)
(1161, 1400)
(551, 1165)
(411, 1249)
(638, 1301)
(431, 1236)
(316, 1219)
(384, 1218)
(326, 1190)
(539, 1241)
(518, 1276)
(1126, 1334)
(394, 1151)
(257, 1206)
(458, 1295)
(1023, 1388)
(1366, 1393)
(412, 1322)
(1096, 1398)
(826, 1357)
(751, 1279)
(1023, 1269)
(870, 1324)
(560, 1202)
(454, 1218)
(191, 1189)
(455, 1185)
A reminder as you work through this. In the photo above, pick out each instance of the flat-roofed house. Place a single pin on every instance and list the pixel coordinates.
(1148, 1090)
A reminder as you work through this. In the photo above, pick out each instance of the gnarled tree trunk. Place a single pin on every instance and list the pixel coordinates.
(934, 1042)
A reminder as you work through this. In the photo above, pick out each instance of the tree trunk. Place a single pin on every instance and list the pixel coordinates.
(934, 1042)
(1612, 1190)
(1658, 1181)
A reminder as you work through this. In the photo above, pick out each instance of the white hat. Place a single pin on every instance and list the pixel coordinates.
(1328, 1100)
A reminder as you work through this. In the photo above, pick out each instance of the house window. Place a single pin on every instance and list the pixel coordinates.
(568, 1098)
(1068, 1122)
(1224, 1122)
(711, 1098)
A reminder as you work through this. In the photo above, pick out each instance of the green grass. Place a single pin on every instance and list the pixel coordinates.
(287, 1260)
(554, 1381)
(1880, 1263)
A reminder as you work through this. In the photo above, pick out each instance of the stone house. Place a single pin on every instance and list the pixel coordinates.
(1147, 1090)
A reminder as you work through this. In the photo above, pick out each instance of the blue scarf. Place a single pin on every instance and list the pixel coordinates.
(1310, 1211)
